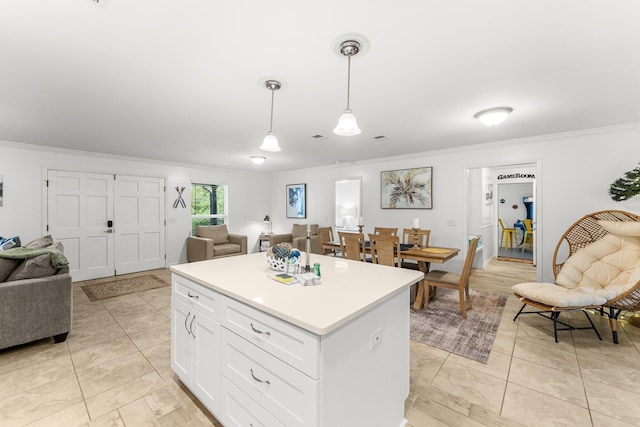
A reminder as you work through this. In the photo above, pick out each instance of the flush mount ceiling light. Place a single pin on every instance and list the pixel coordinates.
(270, 142)
(347, 125)
(258, 160)
(493, 116)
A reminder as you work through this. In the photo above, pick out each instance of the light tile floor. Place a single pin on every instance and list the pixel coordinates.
(114, 370)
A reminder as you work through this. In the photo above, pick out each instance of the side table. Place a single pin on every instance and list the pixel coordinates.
(262, 239)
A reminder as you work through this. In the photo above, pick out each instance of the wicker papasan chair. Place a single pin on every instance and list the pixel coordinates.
(596, 265)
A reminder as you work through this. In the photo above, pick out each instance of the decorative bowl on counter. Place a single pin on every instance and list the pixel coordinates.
(282, 254)
(275, 263)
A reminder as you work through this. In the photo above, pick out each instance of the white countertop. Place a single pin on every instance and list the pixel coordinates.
(348, 289)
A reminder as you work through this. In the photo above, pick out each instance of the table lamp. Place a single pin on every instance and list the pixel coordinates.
(268, 219)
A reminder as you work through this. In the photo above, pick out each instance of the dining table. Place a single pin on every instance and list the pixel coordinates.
(423, 256)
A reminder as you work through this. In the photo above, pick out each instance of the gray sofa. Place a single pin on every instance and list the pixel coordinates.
(32, 308)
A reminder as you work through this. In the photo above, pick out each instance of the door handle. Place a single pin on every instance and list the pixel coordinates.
(191, 326)
(186, 319)
(258, 379)
(258, 331)
(109, 230)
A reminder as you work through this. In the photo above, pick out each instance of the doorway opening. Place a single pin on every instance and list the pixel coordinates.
(515, 216)
(487, 187)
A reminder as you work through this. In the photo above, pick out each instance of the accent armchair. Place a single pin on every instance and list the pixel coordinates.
(298, 238)
(214, 241)
(602, 271)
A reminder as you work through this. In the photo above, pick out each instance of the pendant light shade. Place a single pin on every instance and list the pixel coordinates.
(347, 124)
(270, 142)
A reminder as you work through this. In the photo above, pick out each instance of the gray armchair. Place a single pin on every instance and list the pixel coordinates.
(298, 238)
(214, 241)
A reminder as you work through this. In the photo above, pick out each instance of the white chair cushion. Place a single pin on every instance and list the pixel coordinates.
(558, 296)
(621, 228)
(608, 261)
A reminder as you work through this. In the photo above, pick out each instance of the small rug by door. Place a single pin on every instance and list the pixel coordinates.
(443, 326)
(119, 287)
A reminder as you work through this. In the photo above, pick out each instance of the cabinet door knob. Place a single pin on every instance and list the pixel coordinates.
(192, 296)
(258, 379)
(258, 331)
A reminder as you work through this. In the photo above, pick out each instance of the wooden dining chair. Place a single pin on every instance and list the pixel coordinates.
(325, 235)
(409, 237)
(443, 279)
(385, 250)
(388, 231)
(352, 245)
(409, 234)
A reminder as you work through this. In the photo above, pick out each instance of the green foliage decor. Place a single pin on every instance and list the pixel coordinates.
(626, 187)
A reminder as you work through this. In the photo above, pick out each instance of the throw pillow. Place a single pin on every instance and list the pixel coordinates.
(32, 268)
(40, 242)
(57, 245)
(13, 242)
(7, 266)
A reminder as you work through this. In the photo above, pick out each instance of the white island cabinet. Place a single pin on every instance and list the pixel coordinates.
(260, 353)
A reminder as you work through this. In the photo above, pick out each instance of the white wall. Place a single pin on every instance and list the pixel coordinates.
(24, 211)
(512, 194)
(573, 174)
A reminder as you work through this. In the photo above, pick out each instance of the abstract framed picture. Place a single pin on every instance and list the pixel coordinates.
(406, 188)
(296, 200)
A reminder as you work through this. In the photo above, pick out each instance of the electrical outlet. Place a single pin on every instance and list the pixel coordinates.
(375, 338)
(452, 223)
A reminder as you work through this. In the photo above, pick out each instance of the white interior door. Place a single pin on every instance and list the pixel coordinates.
(79, 207)
(139, 224)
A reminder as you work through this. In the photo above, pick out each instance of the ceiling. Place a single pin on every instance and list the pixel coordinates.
(183, 80)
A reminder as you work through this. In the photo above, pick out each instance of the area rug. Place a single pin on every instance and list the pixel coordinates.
(443, 326)
(119, 287)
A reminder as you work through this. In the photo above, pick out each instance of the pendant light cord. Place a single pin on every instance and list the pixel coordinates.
(348, 79)
(271, 122)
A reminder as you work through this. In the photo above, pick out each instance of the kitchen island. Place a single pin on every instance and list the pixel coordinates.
(258, 352)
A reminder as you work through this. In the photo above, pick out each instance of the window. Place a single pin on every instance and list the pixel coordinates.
(208, 205)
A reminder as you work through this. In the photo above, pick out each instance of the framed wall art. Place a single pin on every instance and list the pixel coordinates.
(406, 188)
(296, 200)
(488, 193)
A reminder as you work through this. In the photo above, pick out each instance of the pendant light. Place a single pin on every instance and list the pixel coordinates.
(270, 142)
(347, 125)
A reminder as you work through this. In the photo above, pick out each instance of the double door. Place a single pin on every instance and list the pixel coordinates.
(108, 224)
